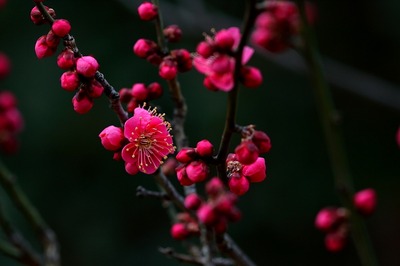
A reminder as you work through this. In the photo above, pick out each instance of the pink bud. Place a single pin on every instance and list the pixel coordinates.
(82, 104)
(204, 148)
(205, 49)
(131, 106)
(239, 186)
(95, 89)
(262, 141)
(179, 231)
(131, 168)
(186, 155)
(125, 95)
(87, 66)
(69, 80)
(209, 85)
(182, 176)
(251, 77)
(197, 171)
(140, 92)
(255, 172)
(192, 201)
(224, 39)
(66, 59)
(147, 11)
(52, 40)
(155, 91)
(61, 27)
(246, 152)
(42, 49)
(168, 69)
(215, 187)
(7, 100)
(5, 65)
(326, 219)
(334, 242)
(220, 226)
(265, 20)
(183, 59)
(144, 48)
(14, 120)
(365, 201)
(172, 33)
(206, 214)
(112, 138)
(225, 203)
(36, 16)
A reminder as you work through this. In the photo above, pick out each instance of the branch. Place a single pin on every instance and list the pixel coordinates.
(228, 246)
(333, 136)
(45, 234)
(109, 91)
(142, 192)
(169, 252)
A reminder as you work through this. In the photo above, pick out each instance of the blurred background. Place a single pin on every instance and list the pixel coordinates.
(89, 200)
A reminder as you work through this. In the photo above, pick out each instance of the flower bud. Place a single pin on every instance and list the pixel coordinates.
(87, 66)
(61, 27)
(365, 201)
(112, 138)
(186, 155)
(246, 152)
(172, 33)
(66, 59)
(5, 65)
(42, 49)
(334, 242)
(197, 171)
(82, 103)
(251, 77)
(168, 69)
(125, 95)
(205, 49)
(147, 11)
(192, 201)
(239, 185)
(262, 141)
(69, 80)
(224, 39)
(144, 48)
(326, 219)
(140, 92)
(95, 89)
(7, 100)
(52, 40)
(182, 176)
(179, 231)
(215, 187)
(155, 91)
(204, 148)
(183, 59)
(206, 214)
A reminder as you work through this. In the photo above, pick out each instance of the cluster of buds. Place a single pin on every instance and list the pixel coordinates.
(169, 64)
(143, 143)
(79, 70)
(215, 212)
(11, 122)
(334, 222)
(215, 59)
(139, 94)
(193, 167)
(276, 26)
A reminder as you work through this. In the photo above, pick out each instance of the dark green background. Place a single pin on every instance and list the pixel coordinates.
(89, 200)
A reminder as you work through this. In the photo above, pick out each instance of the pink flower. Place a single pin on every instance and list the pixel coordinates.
(365, 201)
(214, 60)
(150, 141)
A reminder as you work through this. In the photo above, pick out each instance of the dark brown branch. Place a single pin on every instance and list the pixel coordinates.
(44, 232)
(142, 192)
(227, 246)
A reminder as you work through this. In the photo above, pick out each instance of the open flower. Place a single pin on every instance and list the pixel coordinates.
(149, 141)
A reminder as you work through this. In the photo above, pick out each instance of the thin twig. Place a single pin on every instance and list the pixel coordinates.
(44, 232)
(142, 192)
(230, 248)
(334, 140)
(169, 252)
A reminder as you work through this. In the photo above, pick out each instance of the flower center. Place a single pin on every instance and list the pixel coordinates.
(145, 141)
(233, 167)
